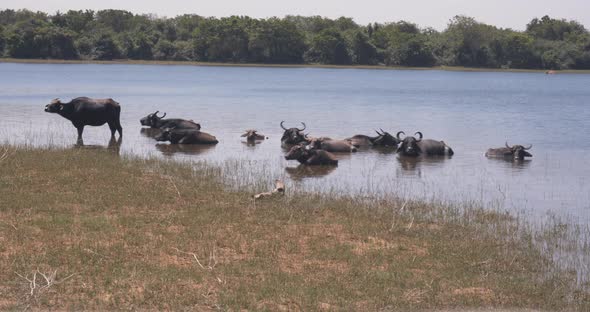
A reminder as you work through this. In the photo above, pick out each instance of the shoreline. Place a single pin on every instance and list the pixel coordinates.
(263, 65)
(84, 216)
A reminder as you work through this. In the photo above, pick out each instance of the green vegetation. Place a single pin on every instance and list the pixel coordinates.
(86, 229)
(114, 34)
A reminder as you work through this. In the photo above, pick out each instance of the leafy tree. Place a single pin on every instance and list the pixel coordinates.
(105, 48)
(553, 29)
(110, 34)
(276, 41)
(363, 51)
(328, 47)
(2, 41)
(165, 50)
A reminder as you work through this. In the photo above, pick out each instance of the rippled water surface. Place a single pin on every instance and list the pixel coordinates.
(470, 111)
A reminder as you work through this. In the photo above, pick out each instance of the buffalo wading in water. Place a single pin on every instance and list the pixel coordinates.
(383, 138)
(186, 136)
(252, 135)
(293, 135)
(333, 146)
(516, 152)
(83, 111)
(311, 156)
(154, 121)
(410, 146)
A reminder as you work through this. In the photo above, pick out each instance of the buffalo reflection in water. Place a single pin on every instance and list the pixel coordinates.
(303, 172)
(113, 146)
(188, 149)
(150, 132)
(519, 164)
(413, 165)
(251, 143)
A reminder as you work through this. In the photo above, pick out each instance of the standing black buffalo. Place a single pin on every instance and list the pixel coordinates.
(410, 146)
(293, 135)
(516, 152)
(383, 138)
(154, 121)
(85, 111)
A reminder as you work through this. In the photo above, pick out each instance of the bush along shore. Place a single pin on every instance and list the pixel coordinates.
(87, 229)
(547, 43)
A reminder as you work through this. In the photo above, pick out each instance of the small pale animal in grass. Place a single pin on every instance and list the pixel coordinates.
(279, 189)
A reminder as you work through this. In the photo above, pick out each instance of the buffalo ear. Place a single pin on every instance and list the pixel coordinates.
(244, 135)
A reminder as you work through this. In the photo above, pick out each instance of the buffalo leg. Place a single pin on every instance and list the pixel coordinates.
(119, 128)
(116, 126)
(113, 129)
(80, 131)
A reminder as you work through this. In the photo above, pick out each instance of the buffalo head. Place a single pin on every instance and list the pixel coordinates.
(151, 120)
(165, 135)
(409, 145)
(252, 135)
(519, 152)
(293, 135)
(385, 139)
(296, 152)
(55, 106)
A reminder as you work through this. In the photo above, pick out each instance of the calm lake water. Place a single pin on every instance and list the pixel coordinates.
(470, 111)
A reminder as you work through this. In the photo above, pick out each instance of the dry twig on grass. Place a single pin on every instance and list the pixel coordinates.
(50, 280)
(175, 187)
(3, 153)
(400, 210)
(279, 189)
(212, 259)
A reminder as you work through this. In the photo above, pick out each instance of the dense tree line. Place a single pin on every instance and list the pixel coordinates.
(115, 34)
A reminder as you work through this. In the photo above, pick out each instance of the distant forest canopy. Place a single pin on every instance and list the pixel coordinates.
(546, 43)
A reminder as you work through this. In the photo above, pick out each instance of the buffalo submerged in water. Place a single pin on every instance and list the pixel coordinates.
(293, 135)
(383, 139)
(154, 121)
(186, 136)
(516, 152)
(413, 147)
(311, 156)
(84, 111)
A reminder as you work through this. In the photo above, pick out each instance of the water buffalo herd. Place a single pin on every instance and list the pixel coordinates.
(300, 146)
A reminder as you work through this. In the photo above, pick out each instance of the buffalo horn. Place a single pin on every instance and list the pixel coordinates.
(420, 134)
(529, 147)
(397, 135)
(508, 146)
(283, 126)
(304, 126)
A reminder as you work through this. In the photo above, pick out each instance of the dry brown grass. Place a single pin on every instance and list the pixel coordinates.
(124, 233)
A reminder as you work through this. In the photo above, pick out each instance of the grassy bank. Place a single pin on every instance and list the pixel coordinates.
(191, 63)
(87, 229)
